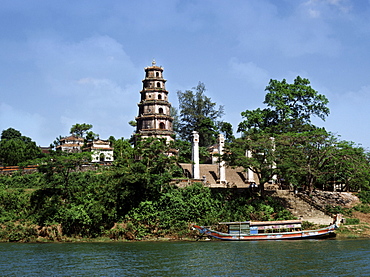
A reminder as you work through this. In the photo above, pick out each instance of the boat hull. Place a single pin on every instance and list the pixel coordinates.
(307, 234)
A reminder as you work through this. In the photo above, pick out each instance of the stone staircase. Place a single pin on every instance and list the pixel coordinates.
(235, 177)
(301, 209)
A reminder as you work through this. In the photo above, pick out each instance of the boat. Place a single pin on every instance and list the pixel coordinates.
(269, 230)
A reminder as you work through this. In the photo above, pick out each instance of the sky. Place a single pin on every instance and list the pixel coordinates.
(68, 62)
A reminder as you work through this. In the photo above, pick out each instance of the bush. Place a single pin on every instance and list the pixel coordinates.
(20, 180)
(338, 210)
(306, 225)
(352, 221)
(14, 205)
(364, 196)
(363, 208)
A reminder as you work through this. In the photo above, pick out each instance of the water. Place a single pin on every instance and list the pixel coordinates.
(212, 258)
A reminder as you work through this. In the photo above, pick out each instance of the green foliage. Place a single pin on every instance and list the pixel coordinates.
(15, 232)
(134, 191)
(198, 113)
(177, 207)
(338, 210)
(91, 136)
(79, 130)
(364, 196)
(306, 225)
(20, 180)
(184, 151)
(363, 208)
(296, 101)
(289, 108)
(261, 156)
(352, 221)
(349, 165)
(132, 123)
(300, 150)
(305, 156)
(84, 208)
(15, 148)
(227, 129)
(10, 133)
(14, 204)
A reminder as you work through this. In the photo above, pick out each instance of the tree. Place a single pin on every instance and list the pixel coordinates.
(227, 129)
(56, 142)
(132, 123)
(175, 116)
(300, 148)
(141, 171)
(295, 101)
(256, 152)
(289, 108)
(91, 136)
(15, 148)
(10, 133)
(304, 156)
(349, 167)
(58, 168)
(79, 130)
(198, 113)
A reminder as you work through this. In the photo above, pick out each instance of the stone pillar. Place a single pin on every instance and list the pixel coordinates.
(195, 155)
(221, 163)
(274, 177)
(250, 174)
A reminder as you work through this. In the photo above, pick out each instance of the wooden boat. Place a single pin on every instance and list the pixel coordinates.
(269, 230)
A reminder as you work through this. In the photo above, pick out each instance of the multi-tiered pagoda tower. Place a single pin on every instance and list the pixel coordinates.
(154, 119)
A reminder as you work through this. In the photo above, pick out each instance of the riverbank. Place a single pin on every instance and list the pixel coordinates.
(53, 234)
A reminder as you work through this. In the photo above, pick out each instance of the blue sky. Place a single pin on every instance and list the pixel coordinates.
(67, 62)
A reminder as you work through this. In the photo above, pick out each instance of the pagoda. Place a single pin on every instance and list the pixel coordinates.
(154, 119)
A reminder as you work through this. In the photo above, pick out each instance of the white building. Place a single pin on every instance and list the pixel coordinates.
(101, 151)
(71, 144)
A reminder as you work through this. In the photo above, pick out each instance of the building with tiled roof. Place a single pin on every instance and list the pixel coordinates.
(101, 150)
(71, 144)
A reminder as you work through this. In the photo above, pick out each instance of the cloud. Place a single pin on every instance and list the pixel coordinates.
(88, 81)
(280, 29)
(323, 8)
(249, 72)
(94, 57)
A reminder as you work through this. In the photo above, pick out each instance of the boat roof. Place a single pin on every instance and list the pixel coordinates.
(260, 223)
(236, 222)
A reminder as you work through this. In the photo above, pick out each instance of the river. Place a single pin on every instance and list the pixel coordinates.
(331, 257)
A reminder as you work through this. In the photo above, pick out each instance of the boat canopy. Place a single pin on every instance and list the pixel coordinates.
(256, 227)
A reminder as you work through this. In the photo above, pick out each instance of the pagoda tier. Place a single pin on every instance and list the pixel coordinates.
(154, 118)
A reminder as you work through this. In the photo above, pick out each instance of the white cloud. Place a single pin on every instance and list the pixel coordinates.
(264, 26)
(318, 8)
(92, 81)
(63, 62)
(249, 72)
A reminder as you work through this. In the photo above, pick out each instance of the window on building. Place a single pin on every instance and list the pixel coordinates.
(157, 74)
(160, 110)
(158, 84)
(161, 126)
(159, 96)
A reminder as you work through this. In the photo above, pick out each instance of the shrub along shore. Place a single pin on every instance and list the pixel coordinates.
(97, 206)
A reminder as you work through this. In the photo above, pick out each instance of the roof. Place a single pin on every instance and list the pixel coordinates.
(263, 223)
(69, 145)
(72, 138)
